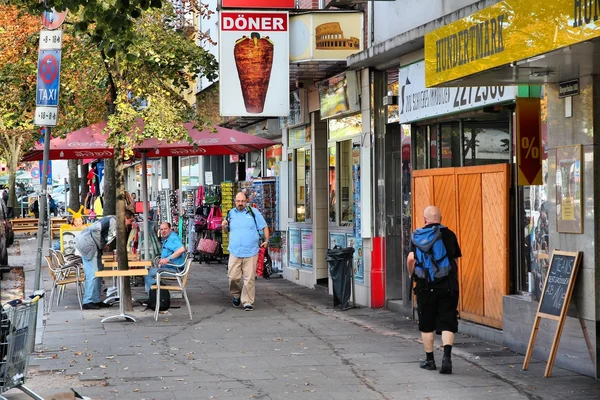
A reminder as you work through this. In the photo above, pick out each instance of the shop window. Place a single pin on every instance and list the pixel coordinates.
(421, 147)
(332, 186)
(300, 210)
(433, 147)
(346, 198)
(533, 205)
(291, 187)
(300, 186)
(255, 170)
(194, 171)
(307, 184)
(450, 145)
(485, 143)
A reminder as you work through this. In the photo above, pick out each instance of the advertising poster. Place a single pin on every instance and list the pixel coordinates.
(68, 235)
(325, 36)
(356, 188)
(357, 260)
(337, 239)
(295, 248)
(307, 248)
(568, 189)
(254, 63)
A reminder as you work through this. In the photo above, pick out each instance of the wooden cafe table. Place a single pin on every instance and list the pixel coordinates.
(111, 292)
(136, 268)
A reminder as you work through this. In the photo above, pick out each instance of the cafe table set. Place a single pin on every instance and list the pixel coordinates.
(136, 268)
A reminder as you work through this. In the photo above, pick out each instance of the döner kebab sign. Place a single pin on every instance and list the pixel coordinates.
(254, 63)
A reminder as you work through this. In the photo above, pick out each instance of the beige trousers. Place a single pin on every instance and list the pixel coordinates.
(242, 269)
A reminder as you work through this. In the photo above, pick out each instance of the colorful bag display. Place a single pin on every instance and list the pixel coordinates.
(215, 219)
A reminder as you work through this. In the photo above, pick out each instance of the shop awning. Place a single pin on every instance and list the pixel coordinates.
(515, 42)
(91, 143)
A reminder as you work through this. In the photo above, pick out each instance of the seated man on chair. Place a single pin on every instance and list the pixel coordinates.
(172, 254)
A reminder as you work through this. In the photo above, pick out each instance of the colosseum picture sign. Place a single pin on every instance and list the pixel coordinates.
(254, 63)
(326, 36)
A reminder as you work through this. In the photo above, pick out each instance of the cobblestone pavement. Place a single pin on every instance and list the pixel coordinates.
(292, 346)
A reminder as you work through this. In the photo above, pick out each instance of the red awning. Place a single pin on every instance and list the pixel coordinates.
(90, 142)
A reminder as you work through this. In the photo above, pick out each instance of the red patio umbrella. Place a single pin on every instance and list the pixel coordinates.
(90, 142)
(221, 141)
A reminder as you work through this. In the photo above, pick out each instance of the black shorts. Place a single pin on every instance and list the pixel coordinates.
(437, 310)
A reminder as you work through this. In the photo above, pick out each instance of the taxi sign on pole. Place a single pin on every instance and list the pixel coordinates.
(48, 78)
(51, 40)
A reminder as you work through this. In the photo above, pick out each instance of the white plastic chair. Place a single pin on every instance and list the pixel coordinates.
(171, 277)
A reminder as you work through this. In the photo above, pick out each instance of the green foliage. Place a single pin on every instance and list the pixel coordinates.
(122, 52)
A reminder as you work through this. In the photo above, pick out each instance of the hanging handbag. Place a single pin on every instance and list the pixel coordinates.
(208, 246)
(215, 219)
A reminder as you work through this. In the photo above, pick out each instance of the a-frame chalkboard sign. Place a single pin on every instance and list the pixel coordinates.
(556, 296)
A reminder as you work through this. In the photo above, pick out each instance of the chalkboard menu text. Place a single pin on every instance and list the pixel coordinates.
(558, 280)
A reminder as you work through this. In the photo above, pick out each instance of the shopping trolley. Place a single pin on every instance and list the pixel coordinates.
(17, 321)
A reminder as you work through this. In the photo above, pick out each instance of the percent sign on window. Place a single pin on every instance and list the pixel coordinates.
(532, 150)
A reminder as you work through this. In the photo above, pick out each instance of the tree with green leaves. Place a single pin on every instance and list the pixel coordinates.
(148, 54)
(82, 76)
(17, 89)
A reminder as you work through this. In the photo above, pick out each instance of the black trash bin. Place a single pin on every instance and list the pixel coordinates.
(340, 270)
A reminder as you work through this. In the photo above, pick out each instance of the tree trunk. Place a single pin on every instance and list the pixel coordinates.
(121, 228)
(12, 193)
(110, 186)
(85, 188)
(74, 202)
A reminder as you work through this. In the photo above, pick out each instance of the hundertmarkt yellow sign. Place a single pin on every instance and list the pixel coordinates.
(509, 31)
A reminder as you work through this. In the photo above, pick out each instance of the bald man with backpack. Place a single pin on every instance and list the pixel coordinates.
(432, 263)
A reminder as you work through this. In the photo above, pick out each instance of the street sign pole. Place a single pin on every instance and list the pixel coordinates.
(49, 75)
(42, 203)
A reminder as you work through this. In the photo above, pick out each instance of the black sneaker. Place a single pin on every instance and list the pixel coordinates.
(248, 307)
(90, 306)
(102, 304)
(446, 366)
(236, 302)
(428, 365)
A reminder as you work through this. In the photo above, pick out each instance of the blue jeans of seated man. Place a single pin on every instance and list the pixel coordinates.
(93, 286)
(150, 279)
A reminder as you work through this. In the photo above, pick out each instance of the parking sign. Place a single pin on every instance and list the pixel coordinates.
(48, 78)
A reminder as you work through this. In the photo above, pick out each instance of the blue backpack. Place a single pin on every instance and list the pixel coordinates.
(432, 262)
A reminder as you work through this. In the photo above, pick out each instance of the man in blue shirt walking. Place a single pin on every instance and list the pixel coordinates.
(172, 255)
(243, 223)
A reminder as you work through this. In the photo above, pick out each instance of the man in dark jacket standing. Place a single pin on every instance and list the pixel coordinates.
(437, 299)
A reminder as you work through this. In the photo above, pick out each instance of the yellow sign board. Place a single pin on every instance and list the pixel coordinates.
(509, 31)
